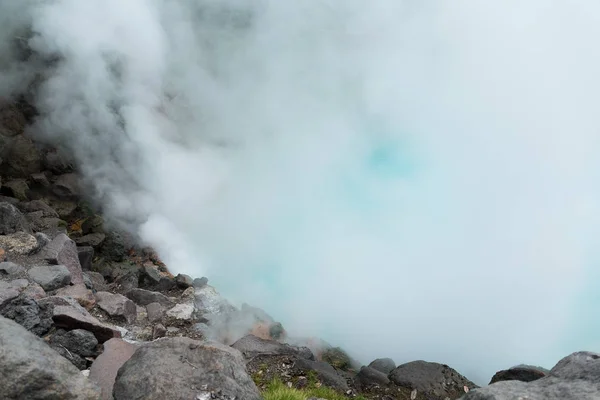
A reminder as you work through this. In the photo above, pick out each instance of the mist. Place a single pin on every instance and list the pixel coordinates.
(415, 180)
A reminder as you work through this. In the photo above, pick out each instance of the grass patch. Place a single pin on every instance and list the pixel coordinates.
(277, 390)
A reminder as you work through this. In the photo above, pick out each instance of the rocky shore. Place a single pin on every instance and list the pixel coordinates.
(86, 313)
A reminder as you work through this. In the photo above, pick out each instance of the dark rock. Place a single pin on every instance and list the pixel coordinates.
(92, 239)
(31, 370)
(57, 162)
(250, 346)
(276, 331)
(77, 341)
(85, 255)
(151, 273)
(17, 188)
(104, 369)
(96, 281)
(155, 312)
(92, 224)
(10, 200)
(113, 248)
(62, 250)
(10, 268)
(144, 297)
(158, 331)
(199, 283)
(165, 284)
(12, 121)
(20, 158)
(385, 365)
(338, 358)
(323, 371)
(64, 208)
(77, 360)
(70, 317)
(431, 378)
(28, 313)
(12, 220)
(117, 306)
(34, 291)
(184, 281)
(50, 277)
(39, 222)
(179, 368)
(38, 205)
(368, 376)
(40, 179)
(67, 186)
(518, 374)
(7, 294)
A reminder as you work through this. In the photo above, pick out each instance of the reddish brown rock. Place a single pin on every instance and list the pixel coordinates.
(104, 369)
(79, 292)
(69, 317)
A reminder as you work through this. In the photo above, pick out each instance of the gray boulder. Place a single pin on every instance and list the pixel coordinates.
(323, 371)
(30, 369)
(575, 377)
(62, 250)
(523, 374)
(12, 220)
(9, 268)
(368, 376)
(385, 365)
(182, 368)
(50, 277)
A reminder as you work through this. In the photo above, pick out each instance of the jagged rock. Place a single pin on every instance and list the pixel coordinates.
(7, 294)
(105, 367)
(114, 248)
(31, 370)
(18, 243)
(96, 281)
(40, 179)
(385, 365)
(62, 250)
(10, 268)
(431, 378)
(42, 240)
(38, 205)
(17, 188)
(70, 317)
(144, 297)
(57, 162)
(323, 371)
(39, 222)
(117, 305)
(50, 277)
(85, 255)
(338, 358)
(64, 208)
(368, 376)
(92, 239)
(20, 158)
(155, 312)
(151, 273)
(67, 186)
(92, 224)
(79, 292)
(181, 312)
(34, 291)
(575, 377)
(12, 220)
(78, 341)
(209, 301)
(158, 331)
(518, 374)
(184, 281)
(199, 283)
(180, 368)
(251, 346)
(12, 121)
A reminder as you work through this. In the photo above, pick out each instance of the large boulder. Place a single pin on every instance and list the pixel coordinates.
(251, 346)
(431, 378)
(523, 374)
(30, 369)
(575, 377)
(12, 220)
(385, 365)
(182, 368)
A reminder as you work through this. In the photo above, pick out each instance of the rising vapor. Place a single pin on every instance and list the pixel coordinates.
(415, 180)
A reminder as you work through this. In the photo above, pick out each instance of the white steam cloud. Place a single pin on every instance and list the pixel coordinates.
(415, 180)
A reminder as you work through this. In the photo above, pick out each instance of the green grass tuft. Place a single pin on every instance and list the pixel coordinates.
(277, 390)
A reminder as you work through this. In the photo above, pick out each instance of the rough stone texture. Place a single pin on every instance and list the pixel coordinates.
(251, 346)
(579, 365)
(151, 273)
(12, 121)
(50, 277)
(17, 188)
(117, 305)
(38, 205)
(159, 331)
(155, 312)
(9, 268)
(368, 376)
(324, 372)
(199, 283)
(39, 222)
(518, 374)
(56, 162)
(62, 250)
(30, 369)
(12, 220)
(79, 292)
(7, 293)
(104, 369)
(69, 317)
(549, 388)
(19, 284)
(40, 179)
(93, 239)
(180, 368)
(144, 297)
(28, 313)
(78, 341)
(431, 378)
(34, 291)
(182, 312)
(385, 365)
(67, 185)
(85, 255)
(18, 243)
(184, 281)
(20, 158)
(97, 281)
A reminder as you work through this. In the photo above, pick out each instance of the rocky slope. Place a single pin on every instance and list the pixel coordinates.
(85, 313)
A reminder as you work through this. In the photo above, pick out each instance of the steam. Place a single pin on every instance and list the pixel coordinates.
(405, 179)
